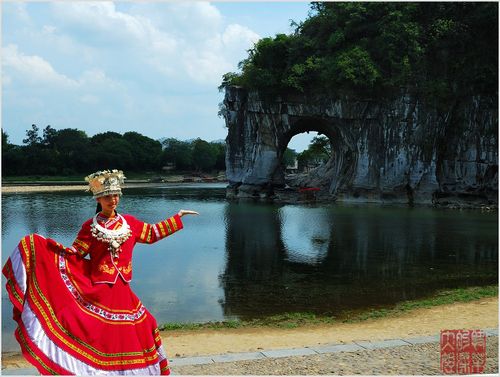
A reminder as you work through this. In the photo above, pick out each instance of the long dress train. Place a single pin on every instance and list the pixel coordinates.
(68, 325)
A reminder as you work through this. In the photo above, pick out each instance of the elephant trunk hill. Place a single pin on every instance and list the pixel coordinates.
(387, 151)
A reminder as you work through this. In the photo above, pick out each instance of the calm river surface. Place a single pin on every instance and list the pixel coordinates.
(247, 260)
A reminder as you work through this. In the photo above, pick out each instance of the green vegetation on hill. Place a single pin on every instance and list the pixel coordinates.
(441, 51)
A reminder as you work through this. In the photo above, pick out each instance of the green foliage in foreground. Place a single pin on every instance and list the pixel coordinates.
(440, 50)
(294, 320)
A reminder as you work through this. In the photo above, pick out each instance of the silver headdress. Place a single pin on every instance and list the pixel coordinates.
(106, 182)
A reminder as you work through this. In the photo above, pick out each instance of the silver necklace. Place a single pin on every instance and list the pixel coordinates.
(114, 238)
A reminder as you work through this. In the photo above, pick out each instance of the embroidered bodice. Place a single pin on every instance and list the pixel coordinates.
(110, 241)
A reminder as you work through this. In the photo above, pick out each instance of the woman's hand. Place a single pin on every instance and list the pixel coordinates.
(183, 212)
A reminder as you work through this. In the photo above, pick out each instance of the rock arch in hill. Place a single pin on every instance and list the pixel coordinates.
(382, 151)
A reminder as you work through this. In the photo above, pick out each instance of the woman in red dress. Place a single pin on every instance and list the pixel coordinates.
(75, 310)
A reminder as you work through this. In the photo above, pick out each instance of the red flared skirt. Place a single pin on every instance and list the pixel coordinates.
(67, 325)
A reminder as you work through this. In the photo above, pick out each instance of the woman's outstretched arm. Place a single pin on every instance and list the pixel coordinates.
(150, 233)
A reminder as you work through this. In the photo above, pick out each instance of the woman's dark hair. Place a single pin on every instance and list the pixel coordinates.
(99, 208)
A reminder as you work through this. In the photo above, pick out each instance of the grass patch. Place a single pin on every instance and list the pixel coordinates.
(298, 319)
(451, 296)
(442, 297)
(172, 326)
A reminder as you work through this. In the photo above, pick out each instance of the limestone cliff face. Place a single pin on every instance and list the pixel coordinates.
(396, 151)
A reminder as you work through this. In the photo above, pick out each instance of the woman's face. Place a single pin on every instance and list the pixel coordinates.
(109, 203)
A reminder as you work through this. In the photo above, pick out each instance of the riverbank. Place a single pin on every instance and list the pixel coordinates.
(13, 187)
(297, 319)
(481, 313)
(427, 321)
(25, 188)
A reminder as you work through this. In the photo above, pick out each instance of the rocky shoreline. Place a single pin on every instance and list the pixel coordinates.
(308, 195)
(288, 195)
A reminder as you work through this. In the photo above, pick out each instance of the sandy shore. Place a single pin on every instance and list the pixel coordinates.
(42, 188)
(12, 189)
(51, 188)
(480, 314)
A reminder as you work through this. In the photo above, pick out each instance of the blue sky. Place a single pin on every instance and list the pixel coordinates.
(150, 67)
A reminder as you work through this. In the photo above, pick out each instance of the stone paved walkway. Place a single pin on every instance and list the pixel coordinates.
(420, 359)
(409, 356)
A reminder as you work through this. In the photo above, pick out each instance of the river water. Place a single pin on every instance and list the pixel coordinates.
(248, 260)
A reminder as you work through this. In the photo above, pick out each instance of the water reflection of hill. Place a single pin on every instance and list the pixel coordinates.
(260, 259)
(327, 260)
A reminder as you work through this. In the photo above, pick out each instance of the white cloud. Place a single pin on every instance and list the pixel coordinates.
(187, 20)
(19, 11)
(97, 78)
(205, 18)
(89, 99)
(48, 29)
(237, 35)
(219, 53)
(205, 66)
(102, 20)
(156, 35)
(33, 68)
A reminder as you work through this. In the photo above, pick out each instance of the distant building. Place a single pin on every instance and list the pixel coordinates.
(168, 166)
(292, 168)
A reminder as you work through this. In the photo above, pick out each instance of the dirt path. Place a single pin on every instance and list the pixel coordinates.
(477, 314)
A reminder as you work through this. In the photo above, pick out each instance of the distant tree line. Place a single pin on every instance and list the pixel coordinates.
(318, 152)
(70, 151)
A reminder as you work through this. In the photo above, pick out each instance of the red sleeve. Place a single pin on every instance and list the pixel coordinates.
(149, 233)
(82, 242)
